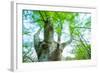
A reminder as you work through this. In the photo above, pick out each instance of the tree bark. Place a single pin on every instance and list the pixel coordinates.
(48, 49)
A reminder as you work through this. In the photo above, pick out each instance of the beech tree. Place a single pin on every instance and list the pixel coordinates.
(51, 22)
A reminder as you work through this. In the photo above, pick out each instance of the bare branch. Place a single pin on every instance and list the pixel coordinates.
(66, 43)
(71, 38)
(29, 58)
(83, 27)
(37, 40)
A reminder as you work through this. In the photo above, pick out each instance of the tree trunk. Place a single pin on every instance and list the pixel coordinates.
(48, 49)
(47, 45)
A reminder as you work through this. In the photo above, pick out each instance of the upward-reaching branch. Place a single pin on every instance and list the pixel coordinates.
(60, 25)
(37, 40)
(66, 43)
(70, 40)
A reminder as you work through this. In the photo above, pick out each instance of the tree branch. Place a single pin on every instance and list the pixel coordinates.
(30, 58)
(66, 43)
(42, 16)
(37, 40)
(71, 38)
(82, 27)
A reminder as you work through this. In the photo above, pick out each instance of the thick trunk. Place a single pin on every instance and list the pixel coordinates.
(56, 54)
(48, 49)
(46, 45)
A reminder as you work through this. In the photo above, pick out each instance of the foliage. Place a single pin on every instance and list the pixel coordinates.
(83, 51)
(78, 25)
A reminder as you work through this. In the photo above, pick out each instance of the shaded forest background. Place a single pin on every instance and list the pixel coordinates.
(55, 36)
